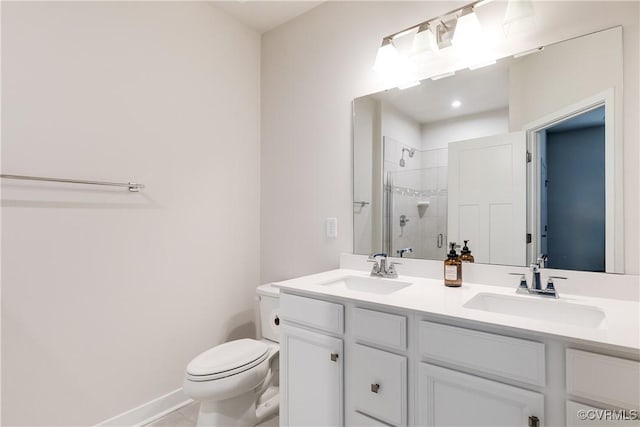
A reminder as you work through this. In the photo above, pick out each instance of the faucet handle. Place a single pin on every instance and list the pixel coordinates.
(376, 267)
(550, 288)
(550, 280)
(523, 280)
(377, 254)
(391, 269)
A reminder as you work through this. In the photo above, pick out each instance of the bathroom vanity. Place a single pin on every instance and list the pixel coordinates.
(364, 351)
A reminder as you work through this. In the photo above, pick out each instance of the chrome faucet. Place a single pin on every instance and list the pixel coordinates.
(536, 287)
(535, 277)
(380, 269)
(535, 270)
(403, 251)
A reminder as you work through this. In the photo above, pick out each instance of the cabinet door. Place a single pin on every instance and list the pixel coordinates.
(311, 378)
(581, 415)
(379, 384)
(451, 398)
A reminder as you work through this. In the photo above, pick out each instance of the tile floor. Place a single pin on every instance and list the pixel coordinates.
(187, 416)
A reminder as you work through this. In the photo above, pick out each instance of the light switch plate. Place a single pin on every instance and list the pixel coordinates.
(332, 227)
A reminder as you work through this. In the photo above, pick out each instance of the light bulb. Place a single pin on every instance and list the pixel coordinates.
(424, 40)
(387, 57)
(393, 68)
(468, 32)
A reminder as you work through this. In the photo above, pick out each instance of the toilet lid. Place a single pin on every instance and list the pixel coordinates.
(227, 356)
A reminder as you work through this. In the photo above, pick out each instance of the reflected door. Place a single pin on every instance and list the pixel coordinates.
(487, 197)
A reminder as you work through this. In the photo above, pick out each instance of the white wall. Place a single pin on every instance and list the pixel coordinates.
(400, 127)
(436, 135)
(582, 67)
(314, 66)
(107, 295)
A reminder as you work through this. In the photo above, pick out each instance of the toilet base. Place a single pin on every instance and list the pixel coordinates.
(237, 411)
(240, 411)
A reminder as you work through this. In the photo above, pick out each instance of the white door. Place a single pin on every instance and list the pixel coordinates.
(311, 378)
(487, 197)
(451, 398)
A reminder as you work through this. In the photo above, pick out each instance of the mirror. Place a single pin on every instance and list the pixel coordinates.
(520, 158)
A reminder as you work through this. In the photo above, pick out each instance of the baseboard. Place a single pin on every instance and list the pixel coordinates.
(150, 411)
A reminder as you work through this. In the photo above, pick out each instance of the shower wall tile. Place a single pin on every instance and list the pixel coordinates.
(442, 173)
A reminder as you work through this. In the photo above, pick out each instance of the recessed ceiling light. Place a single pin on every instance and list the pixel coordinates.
(456, 104)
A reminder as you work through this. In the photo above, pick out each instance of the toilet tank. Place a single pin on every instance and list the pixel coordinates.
(269, 302)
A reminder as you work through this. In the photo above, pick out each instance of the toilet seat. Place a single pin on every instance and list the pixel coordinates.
(225, 360)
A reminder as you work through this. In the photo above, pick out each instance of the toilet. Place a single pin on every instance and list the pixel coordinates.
(236, 382)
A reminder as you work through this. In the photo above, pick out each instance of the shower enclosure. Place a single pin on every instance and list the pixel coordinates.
(414, 200)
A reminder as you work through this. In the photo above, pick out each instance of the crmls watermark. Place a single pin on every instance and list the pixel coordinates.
(608, 414)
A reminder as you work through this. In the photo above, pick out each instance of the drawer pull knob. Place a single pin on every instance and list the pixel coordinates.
(334, 357)
(375, 388)
(534, 421)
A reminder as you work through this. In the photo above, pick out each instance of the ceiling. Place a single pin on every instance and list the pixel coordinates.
(480, 90)
(264, 15)
(589, 119)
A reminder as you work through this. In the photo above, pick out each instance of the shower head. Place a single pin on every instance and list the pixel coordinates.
(411, 152)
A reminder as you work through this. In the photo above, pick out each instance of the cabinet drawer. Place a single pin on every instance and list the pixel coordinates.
(603, 378)
(357, 419)
(323, 315)
(508, 357)
(379, 384)
(376, 327)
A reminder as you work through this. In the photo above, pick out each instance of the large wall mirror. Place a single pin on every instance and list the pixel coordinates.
(520, 158)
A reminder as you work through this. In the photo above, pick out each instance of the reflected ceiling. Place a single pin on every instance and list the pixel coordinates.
(480, 90)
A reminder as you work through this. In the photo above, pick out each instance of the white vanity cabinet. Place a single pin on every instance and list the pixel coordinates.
(356, 363)
(311, 355)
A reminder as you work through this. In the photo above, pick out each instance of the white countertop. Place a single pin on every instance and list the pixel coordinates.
(621, 327)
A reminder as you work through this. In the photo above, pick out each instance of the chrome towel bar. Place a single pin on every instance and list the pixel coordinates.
(132, 186)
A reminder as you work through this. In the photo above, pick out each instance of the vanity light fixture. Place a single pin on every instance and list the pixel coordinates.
(456, 103)
(459, 28)
(394, 67)
(424, 44)
(387, 56)
(468, 34)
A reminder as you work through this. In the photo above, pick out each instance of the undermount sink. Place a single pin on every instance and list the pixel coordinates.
(372, 285)
(538, 308)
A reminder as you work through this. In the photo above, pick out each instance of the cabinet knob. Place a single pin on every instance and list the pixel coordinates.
(375, 388)
(534, 421)
(334, 357)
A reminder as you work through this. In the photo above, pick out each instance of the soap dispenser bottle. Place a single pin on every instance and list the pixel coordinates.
(465, 253)
(452, 268)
